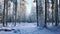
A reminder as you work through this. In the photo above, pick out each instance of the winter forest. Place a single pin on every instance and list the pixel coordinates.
(29, 16)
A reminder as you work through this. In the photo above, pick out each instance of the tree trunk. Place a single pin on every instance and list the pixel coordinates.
(56, 12)
(45, 12)
(15, 12)
(3, 13)
(6, 11)
(37, 11)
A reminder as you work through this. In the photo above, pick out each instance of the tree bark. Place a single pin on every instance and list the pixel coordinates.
(45, 12)
(56, 12)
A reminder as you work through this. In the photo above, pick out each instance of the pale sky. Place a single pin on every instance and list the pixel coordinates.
(29, 5)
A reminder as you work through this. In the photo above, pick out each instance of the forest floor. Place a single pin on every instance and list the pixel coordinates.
(27, 28)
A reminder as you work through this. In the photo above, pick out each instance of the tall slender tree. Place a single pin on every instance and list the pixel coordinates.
(37, 11)
(56, 12)
(45, 12)
(4, 14)
(52, 1)
(15, 11)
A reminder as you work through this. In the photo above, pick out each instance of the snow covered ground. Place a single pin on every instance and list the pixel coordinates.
(28, 28)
